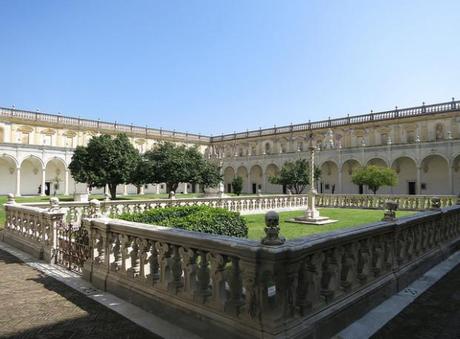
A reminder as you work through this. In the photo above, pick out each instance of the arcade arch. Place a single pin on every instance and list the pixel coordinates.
(348, 168)
(256, 178)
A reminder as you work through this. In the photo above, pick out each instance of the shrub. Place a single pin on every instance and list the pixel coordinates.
(237, 185)
(194, 218)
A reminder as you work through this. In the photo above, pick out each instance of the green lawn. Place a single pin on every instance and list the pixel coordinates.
(346, 218)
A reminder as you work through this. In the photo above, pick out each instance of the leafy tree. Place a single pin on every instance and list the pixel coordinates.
(209, 175)
(173, 164)
(375, 177)
(237, 185)
(294, 175)
(141, 174)
(106, 160)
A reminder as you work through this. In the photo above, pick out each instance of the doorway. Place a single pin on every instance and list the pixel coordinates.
(47, 188)
(411, 187)
(229, 188)
(254, 188)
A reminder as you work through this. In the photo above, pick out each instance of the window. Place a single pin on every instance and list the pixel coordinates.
(267, 148)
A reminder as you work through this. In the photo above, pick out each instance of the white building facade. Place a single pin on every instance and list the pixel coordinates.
(421, 143)
(36, 149)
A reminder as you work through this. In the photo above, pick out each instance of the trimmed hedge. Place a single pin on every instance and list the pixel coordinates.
(194, 218)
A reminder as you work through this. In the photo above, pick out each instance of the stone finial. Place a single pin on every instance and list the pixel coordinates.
(172, 195)
(54, 204)
(390, 210)
(259, 192)
(272, 230)
(435, 203)
(107, 197)
(11, 199)
(95, 208)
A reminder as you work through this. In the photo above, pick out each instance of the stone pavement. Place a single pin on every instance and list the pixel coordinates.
(34, 305)
(435, 314)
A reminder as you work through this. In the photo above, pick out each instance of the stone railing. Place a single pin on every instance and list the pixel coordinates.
(101, 126)
(349, 120)
(32, 229)
(245, 204)
(310, 286)
(113, 208)
(377, 201)
(271, 289)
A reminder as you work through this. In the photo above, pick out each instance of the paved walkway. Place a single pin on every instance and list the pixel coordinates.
(33, 305)
(435, 314)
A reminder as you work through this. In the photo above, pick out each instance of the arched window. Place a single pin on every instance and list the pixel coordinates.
(267, 148)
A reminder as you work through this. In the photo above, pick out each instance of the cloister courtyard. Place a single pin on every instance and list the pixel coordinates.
(229, 169)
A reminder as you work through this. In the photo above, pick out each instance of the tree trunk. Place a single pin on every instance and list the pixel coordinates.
(113, 191)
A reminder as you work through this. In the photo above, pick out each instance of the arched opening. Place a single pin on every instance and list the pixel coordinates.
(456, 174)
(406, 169)
(268, 148)
(329, 178)
(434, 175)
(379, 162)
(271, 171)
(31, 176)
(229, 174)
(55, 176)
(243, 172)
(348, 168)
(256, 178)
(7, 174)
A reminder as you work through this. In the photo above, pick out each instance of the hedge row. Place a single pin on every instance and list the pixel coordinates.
(194, 218)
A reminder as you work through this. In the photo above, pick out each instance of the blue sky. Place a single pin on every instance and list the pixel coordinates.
(222, 66)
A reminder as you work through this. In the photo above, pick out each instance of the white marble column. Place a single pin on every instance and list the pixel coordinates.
(125, 189)
(339, 183)
(66, 182)
(42, 193)
(141, 191)
(18, 182)
(157, 188)
(185, 188)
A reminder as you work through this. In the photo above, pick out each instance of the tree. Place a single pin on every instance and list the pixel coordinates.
(237, 185)
(295, 175)
(141, 174)
(375, 177)
(173, 164)
(106, 160)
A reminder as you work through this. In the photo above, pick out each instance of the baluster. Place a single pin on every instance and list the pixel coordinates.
(116, 262)
(219, 293)
(349, 267)
(330, 278)
(190, 270)
(204, 289)
(308, 293)
(153, 262)
(364, 261)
